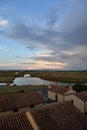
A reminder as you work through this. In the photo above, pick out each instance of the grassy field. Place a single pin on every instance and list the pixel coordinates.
(15, 89)
(70, 77)
(67, 76)
(9, 76)
(6, 79)
(61, 76)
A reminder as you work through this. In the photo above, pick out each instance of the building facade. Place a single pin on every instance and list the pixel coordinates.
(79, 100)
(58, 93)
(20, 102)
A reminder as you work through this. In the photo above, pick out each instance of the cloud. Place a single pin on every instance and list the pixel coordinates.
(3, 22)
(52, 19)
(20, 57)
(68, 59)
(29, 63)
(70, 30)
(30, 36)
(10, 65)
(65, 37)
(73, 25)
(16, 65)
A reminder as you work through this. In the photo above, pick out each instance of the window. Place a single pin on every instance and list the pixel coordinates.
(85, 113)
(56, 98)
(72, 101)
(15, 110)
(32, 106)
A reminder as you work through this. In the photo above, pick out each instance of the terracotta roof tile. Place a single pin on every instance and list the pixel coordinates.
(82, 95)
(15, 122)
(58, 89)
(19, 100)
(60, 116)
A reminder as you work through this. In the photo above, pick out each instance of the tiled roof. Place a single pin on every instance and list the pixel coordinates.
(58, 89)
(15, 122)
(18, 100)
(82, 95)
(59, 116)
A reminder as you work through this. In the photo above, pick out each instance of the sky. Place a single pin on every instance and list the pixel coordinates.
(43, 34)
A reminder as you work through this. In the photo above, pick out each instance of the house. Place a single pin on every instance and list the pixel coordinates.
(55, 116)
(58, 93)
(58, 116)
(20, 102)
(79, 100)
(61, 94)
(18, 121)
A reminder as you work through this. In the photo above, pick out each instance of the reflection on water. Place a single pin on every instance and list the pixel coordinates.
(28, 80)
(3, 84)
(27, 75)
(36, 81)
(31, 81)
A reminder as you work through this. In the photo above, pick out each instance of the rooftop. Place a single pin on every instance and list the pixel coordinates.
(58, 89)
(18, 100)
(15, 122)
(60, 116)
(82, 95)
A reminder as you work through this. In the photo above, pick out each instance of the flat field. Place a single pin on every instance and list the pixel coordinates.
(67, 76)
(8, 76)
(61, 76)
(58, 76)
(15, 89)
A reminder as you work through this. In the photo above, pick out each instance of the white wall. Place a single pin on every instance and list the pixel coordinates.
(86, 106)
(52, 96)
(60, 98)
(77, 102)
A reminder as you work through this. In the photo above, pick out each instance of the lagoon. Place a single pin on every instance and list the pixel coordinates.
(31, 81)
(19, 81)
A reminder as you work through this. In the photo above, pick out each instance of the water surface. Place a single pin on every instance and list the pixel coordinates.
(31, 81)
(3, 84)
